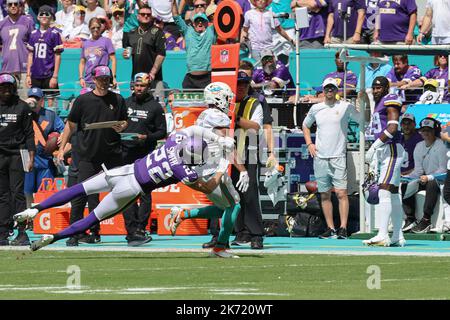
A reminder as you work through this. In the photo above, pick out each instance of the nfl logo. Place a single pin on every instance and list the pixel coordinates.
(224, 55)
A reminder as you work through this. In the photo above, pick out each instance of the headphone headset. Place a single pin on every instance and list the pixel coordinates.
(15, 81)
(103, 65)
(436, 125)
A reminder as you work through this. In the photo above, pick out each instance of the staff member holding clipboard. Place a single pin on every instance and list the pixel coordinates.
(97, 146)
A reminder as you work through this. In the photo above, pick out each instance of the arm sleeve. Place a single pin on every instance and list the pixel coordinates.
(418, 156)
(110, 47)
(160, 43)
(58, 125)
(74, 114)
(258, 115)
(181, 24)
(310, 118)
(158, 124)
(123, 109)
(28, 131)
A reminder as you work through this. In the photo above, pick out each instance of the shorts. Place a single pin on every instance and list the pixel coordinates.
(225, 195)
(330, 173)
(44, 84)
(390, 158)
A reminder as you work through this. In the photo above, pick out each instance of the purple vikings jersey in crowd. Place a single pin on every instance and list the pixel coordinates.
(409, 146)
(380, 116)
(317, 22)
(281, 76)
(338, 26)
(371, 13)
(352, 79)
(442, 77)
(164, 166)
(44, 45)
(13, 37)
(413, 73)
(394, 18)
(96, 52)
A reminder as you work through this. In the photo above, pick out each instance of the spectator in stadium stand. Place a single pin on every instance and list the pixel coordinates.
(199, 39)
(273, 76)
(131, 13)
(194, 7)
(288, 24)
(368, 28)
(15, 31)
(79, 29)
(163, 10)
(401, 75)
(436, 18)
(93, 10)
(96, 51)
(148, 50)
(258, 26)
(16, 133)
(338, 75)
(429, 160)
(44, 56)
(145, 117)
(117, 31)
(248, 121)
(312, 36)
(445, 136)
(34, 6)
(397, 20)
(45, 121)
(335, 24)
(439, 73)
(106, 30)
(168, 107)
(95, 147)
(329, 152)
(64, 17)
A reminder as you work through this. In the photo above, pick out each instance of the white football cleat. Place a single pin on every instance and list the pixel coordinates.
(222, 254)
(42, 242)
(175, 219)
(378, 242)
(27, 214)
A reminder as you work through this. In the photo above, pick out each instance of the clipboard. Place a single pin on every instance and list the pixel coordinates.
(128, 136)
(101, 125)
(25, 155)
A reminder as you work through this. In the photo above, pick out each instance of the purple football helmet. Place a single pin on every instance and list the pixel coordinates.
(371, 189)
(195, 150)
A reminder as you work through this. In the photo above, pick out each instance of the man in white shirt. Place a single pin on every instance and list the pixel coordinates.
(436, 17)
(162, 10)
(64, 17)
(329, 153)
(429, 160)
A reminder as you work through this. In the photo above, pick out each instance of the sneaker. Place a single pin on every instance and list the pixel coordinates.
(398, 242)
(222, 253)
(27, 214)
(342, 233)
(44, 241)
(211, 244)
(137, 239)
(21, 239)
(89, 238)
(409, 224)
(423, 226)
(329, 234)
(241, 240)
(175, 219)
(257, 243)
(378, 242)
(72, 242)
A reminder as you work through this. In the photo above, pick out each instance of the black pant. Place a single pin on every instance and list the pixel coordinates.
(191, 81)
(12, 197)
(87, 169)
(249, 222)
(431, 197)
(447, 188)
(136, 217)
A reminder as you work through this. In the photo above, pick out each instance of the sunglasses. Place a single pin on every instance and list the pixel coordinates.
(95, 28)
(267, 59)
(145, 15)
(15, 4)
(119, 14)
(45, 14)
(200, 5)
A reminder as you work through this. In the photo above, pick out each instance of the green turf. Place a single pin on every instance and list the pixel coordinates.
(125, 275)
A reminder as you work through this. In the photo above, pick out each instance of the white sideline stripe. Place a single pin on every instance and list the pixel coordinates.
(223, 73)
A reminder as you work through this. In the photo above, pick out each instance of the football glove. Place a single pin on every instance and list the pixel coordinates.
(244, 181)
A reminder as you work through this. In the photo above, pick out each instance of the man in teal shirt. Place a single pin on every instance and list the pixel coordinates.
(199, 38)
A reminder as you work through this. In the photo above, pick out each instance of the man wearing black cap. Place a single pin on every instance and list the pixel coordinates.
(16, 136)
(145, 118)
(248, 122)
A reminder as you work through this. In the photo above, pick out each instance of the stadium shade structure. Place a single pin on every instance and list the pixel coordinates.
(390, 50)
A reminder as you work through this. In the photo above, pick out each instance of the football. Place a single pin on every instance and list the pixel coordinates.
(311, 186)
(52, 143)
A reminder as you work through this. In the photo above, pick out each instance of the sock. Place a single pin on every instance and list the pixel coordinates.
(228, 219)
(383, 211)
(78, 227)
(62, 197)
(397, 217)
(446, 212)
(205, 212)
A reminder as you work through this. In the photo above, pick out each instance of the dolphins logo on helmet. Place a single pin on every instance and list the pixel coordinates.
(219, 94)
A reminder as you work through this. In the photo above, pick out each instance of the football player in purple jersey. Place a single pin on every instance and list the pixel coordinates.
(44, 56)
(171, 163)
(387, 155)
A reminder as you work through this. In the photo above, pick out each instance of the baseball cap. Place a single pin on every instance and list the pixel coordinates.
(79, 9)
(117, 9)
(101, 71)
(13, 1)
(7, 78)
(431, 82)
(266, 53)
(35, 92)
(428, 123)
(242, 76)
(141, 77)
(409, 116)
(200, 15)
(46, 8)
(380, 81)
(330, 81)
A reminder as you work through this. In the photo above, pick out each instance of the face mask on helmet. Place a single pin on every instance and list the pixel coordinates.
(371, 189)
(219, 95)
(194, 151)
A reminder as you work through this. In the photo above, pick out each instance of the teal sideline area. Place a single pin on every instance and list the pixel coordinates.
(314, 65)
(271, 245)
